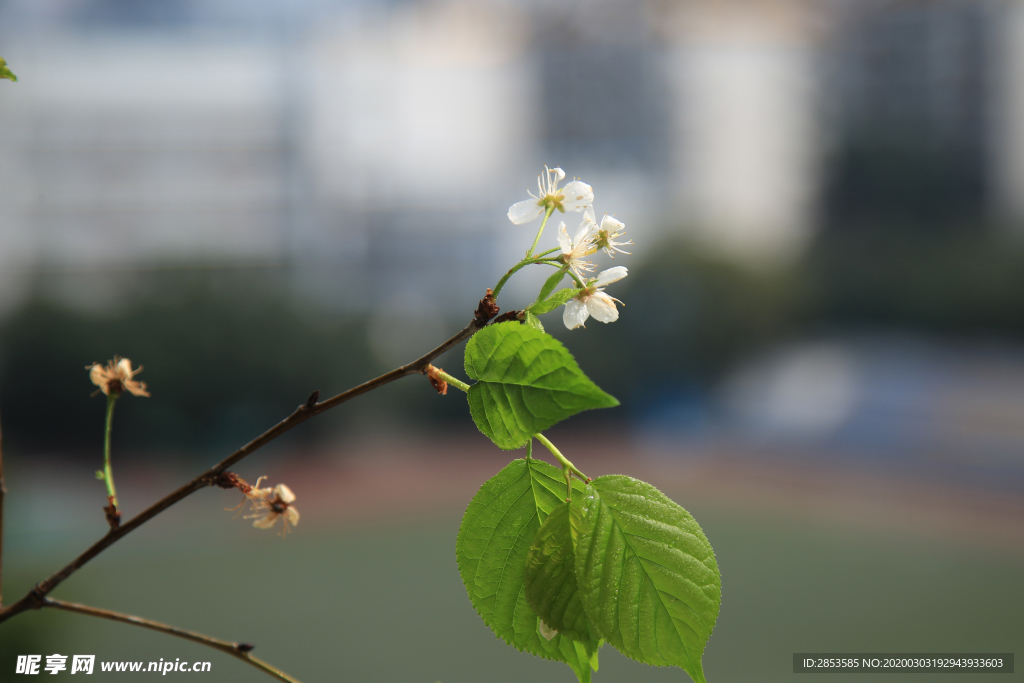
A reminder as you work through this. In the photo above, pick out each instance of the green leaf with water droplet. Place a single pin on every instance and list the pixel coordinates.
(527, 382)
(5, 72)
(647, 574)
(494, 538)
(551, 576)
(533, 321)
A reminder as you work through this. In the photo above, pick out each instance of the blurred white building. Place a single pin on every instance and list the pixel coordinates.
(745, 136)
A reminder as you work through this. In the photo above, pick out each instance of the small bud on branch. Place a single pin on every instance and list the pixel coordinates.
(112, 514)
(487, 309)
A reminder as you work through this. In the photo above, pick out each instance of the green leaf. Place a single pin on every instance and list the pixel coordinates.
(557, 299)
(533, 321)
(549, 286)
(527, 382)
(551, 576)
(5, 72)
(491, 549)
(647, 574)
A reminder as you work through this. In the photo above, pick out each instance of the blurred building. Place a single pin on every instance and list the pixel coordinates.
(913, 97)
(369, 148)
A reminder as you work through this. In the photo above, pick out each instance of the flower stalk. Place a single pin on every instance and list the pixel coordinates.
(539, 258)
(540, 231)
(108, 473)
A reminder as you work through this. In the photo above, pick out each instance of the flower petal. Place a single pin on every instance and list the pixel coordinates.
(136, 388)
(292, 516)
(606, 277)
(525, 211)
(559, 174)
(124, 369)
(589, 215)
(575, 314)
(582, 233)
(267, 521)
(99, 376)
(602, 307)
(284, 493)
(563, 239)
(611, 225)
(578, 196)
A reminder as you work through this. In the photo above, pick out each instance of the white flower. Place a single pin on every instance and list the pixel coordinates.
(592, 301)
(604, 236)
(269, 509)
(575, 196)
(574, 250)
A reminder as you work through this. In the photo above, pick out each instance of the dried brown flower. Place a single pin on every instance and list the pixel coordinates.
(116, 376)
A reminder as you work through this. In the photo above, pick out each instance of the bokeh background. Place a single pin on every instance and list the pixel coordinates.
(821, 354)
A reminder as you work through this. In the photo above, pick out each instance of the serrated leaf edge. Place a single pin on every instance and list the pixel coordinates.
(531, 463)
(699, 668)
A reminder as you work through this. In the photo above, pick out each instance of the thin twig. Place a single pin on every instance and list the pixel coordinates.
(236, 650)
(35, 597)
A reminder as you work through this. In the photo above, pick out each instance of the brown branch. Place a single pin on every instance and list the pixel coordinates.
(236, 650)
(35, 598)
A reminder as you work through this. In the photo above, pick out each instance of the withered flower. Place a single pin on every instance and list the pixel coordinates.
(268, 510)
(253, 493)
(116, 377)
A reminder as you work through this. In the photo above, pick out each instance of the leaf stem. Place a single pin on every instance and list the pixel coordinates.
(236, 650)
(457, 383)
(108, 472)
(547, 215)
(561, 458)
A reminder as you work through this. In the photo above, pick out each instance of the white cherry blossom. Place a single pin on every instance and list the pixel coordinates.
(579, 247)
(575, 196)
(593, 301)
(606, 234)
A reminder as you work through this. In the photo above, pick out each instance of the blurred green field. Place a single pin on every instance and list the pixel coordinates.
(384, 602)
